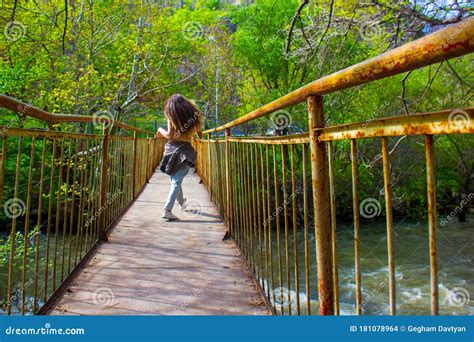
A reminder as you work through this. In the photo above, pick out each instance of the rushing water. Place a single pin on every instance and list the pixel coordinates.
(411, 254)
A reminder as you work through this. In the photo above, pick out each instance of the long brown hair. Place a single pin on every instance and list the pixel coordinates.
(182, 113)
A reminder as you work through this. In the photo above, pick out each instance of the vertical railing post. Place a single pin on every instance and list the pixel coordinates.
(103, 185)
(134, 167)
(389, 219)
(332, 198)
(356, 214)
(431, 182)
(209, 172)
(321, 204)
(153, 165)
(147, 161)
(227, 181)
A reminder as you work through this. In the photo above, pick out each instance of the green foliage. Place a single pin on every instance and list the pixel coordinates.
(20, 248)
(112, 52)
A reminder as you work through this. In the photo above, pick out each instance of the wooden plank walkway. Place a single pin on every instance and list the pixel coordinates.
(150, 266)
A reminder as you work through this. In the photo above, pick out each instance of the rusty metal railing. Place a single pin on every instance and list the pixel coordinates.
(255, 181)
(60, 193)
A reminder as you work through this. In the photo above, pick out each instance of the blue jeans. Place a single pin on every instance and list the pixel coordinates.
(176, 192)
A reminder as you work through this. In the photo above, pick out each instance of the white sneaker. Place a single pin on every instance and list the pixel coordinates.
(168, 215)
(183, 204)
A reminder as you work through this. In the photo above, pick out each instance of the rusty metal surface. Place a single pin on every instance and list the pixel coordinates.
(332, 199)
(434, 123)
(389, 219)
(356, 216)
(77, 157)
(302, 138)
(453, 41)
(431, 195)
(443, 122)
(103, 187)
(227, 182)
(322, 226)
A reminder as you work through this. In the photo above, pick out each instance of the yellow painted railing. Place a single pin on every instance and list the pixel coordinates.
(256, 181)
(60, 193)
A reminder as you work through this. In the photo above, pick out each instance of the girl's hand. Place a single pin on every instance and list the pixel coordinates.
(158, 135)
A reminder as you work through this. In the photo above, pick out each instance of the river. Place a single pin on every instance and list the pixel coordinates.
(411, 254)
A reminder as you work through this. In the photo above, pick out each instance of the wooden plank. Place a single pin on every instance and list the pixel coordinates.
(154, 267)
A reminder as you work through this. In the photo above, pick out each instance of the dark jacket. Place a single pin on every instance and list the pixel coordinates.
(176, 154)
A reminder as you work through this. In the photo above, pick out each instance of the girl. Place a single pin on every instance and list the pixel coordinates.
(184, 119)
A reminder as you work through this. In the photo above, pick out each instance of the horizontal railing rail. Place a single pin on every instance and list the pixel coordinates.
(450, 42)
(257, 182)
(413, 124)
(60, 193)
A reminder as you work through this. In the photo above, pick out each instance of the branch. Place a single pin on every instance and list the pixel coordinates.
(428, 85)
(331, 9)
(304, 35)
(456, 74)
(152, 75)
(328, 25)
(292, 26)
(137, 96)
(405, 105)
(65, 27)
(379, 156)
(461, 155)
(14, 10)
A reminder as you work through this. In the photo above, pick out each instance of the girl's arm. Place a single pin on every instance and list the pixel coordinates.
(168, 134)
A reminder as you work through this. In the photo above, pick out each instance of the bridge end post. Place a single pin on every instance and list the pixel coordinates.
(322, 220)
(209, 170)
(134, 166)
(103, 186)
(147, 167)
(228, 233)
